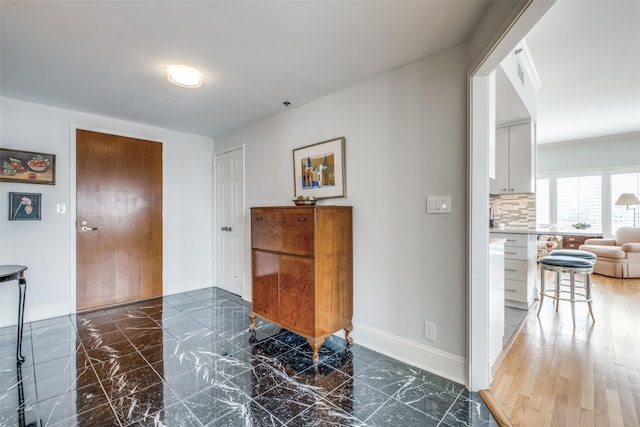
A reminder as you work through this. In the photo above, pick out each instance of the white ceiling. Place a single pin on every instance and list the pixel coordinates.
(109, 57)
(587, 54)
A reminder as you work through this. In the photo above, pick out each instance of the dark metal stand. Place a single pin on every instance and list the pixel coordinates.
(16, 272)
(22, 284)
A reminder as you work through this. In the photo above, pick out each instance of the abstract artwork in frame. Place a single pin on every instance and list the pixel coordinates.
(25, 206)
(319, 170)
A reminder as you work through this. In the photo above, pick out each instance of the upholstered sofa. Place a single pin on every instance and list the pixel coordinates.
(618, 257)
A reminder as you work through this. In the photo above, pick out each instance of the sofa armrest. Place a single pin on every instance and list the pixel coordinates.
(631, 247)
(602, 242)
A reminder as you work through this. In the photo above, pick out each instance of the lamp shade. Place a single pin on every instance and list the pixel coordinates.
(628, 199)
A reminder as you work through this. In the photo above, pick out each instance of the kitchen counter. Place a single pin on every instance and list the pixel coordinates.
(562, 232)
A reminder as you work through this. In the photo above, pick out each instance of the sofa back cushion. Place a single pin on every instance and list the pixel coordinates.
(627, 235)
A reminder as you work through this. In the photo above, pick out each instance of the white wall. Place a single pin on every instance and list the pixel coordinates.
(597, 153)
(47, 247)
(405, 139)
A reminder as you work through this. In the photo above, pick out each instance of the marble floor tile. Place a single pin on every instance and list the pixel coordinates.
(190, 360)
(170, 415)
(215, 402)
(396, 413)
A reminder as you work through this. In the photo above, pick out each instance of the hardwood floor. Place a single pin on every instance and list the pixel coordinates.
(555, 375)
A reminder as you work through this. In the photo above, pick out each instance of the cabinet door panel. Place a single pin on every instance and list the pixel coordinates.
(265, 231)
(297, 294)
(521, 153)
(265, 284)
(500, 184)
(297, 231)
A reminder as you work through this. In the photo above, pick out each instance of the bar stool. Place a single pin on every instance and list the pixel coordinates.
(574, 252)
(571, 265)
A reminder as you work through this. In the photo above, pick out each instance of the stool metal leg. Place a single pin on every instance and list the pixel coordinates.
(587, 291)
(558, 282)
(542, 271)
(572, 289)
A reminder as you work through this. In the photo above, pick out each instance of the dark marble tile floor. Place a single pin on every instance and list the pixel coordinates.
(190, 360)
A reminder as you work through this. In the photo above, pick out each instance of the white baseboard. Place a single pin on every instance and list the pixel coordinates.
(246, 293)
(447, 365)
(32, 313)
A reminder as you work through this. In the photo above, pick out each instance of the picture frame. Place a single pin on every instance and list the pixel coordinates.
(25, 206)
(319, 170)
(27, 166)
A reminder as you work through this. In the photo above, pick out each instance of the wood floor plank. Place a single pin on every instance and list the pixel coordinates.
(587, 375)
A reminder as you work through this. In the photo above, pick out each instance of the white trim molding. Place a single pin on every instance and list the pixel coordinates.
(439, 362)
(34, 313)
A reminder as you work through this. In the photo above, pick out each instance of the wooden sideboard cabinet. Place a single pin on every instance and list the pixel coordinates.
(302, 270)
(573, 241)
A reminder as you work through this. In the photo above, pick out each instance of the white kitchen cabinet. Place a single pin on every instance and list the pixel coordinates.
(519, 269)
(496, 300)
(515, 160)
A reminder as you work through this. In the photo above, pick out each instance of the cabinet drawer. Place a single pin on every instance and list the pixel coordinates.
(512, 239)
(297, 231)
(288, 231)
(519, 240)
(264, 230)
(515, 252)
(573, 242)
(515, 290)
(515, 269)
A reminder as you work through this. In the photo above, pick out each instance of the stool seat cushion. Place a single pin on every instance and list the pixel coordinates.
(574, 252)
(566, 261)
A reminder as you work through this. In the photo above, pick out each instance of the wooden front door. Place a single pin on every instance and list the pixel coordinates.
(118, 219)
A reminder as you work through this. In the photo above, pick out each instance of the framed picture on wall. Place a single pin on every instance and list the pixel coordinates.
(27, 166)
(319, 170)
(25, 206)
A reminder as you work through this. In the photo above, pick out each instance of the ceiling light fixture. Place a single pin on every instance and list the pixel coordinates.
(183, 76)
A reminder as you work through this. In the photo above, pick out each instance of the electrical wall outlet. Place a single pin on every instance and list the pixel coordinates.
(430, 331)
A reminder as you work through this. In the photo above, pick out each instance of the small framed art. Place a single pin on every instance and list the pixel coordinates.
(25, 206)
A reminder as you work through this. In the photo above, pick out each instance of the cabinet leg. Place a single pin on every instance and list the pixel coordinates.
(347, 332)
(315, 345)
(252, 317)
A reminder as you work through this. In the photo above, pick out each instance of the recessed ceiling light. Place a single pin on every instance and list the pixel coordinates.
(183, 76)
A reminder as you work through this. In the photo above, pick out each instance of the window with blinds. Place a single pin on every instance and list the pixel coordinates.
(579, 200)
(590, 198)
(543, 205)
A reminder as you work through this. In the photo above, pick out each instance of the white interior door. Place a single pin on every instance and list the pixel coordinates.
(229, 221)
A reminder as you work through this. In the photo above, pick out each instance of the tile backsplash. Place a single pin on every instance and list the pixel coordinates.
(514, 210)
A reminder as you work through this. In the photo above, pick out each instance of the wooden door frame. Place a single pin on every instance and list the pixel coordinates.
(72, 202)
(245, 292)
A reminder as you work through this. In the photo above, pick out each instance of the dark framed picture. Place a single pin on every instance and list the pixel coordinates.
(319, 170)
(25, 206)
(27, 166)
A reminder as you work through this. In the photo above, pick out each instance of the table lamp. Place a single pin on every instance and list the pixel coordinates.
(629, 199)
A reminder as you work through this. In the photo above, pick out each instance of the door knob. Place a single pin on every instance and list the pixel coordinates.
(85, 228)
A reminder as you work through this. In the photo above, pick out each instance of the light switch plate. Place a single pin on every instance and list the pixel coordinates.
(438, 204)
